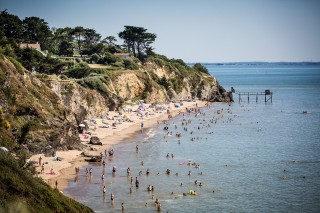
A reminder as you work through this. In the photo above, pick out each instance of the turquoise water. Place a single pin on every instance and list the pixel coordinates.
(257, 158)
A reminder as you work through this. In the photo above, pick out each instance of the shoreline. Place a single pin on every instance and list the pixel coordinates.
(65, 170)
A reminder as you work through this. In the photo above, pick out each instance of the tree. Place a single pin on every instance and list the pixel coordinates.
(109, 40)
(137, 40)
(11, 26)
(65, 48)
(60, 35)
(90, 42)
(37, 30)
(91, 36)
(78, 33)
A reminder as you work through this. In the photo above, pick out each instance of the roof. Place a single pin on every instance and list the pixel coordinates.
(28, 45)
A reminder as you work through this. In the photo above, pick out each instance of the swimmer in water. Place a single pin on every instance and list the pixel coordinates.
(112, 196)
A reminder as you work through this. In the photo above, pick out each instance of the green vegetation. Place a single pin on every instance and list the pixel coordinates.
(200, 68)
(21, 192)
(138, 41)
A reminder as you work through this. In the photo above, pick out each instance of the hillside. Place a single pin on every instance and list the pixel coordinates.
(43, 111)
(21, 192)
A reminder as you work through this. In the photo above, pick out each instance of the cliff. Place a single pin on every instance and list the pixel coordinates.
(40, 113)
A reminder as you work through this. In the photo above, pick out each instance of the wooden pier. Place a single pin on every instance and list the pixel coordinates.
(267, 95)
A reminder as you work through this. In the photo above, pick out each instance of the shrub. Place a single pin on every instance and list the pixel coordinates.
(199, 67)
(108, 59)
(94, 58)
(129, 64)
(17, 65)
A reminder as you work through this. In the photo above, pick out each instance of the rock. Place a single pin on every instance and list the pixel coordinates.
(94, 159)
(95, 141)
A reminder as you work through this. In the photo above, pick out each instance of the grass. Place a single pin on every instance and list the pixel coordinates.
(100, 66)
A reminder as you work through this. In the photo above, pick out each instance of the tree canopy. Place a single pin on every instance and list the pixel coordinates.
(137, 40)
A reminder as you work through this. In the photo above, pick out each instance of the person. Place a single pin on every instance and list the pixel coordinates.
(156, 202)
(122, 207)
(56, 184)
(131, 180)
(112, 196)
(137, 182)
(102, 177)
(137, 148)
(196, 182)
(51, 171)
(189, 173)
(141, 163)
(168, 172)
(128, 172)
(114, 169)
(42, 169)
(147, 172)
(40, 158)
(104, 189)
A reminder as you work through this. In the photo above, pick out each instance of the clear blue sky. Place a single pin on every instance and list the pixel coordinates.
(196, 30)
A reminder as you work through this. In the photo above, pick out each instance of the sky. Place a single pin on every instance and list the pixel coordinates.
(196, 30)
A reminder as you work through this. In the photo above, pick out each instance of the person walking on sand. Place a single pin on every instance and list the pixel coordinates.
(40, 158)
(42, 169)
(56, 183)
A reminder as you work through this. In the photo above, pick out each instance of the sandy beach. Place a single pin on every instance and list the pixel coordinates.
(64, 170)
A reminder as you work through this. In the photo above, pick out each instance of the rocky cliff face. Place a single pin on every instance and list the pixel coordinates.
(44, 111)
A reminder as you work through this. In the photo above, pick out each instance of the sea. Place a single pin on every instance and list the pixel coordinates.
(254, 155)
